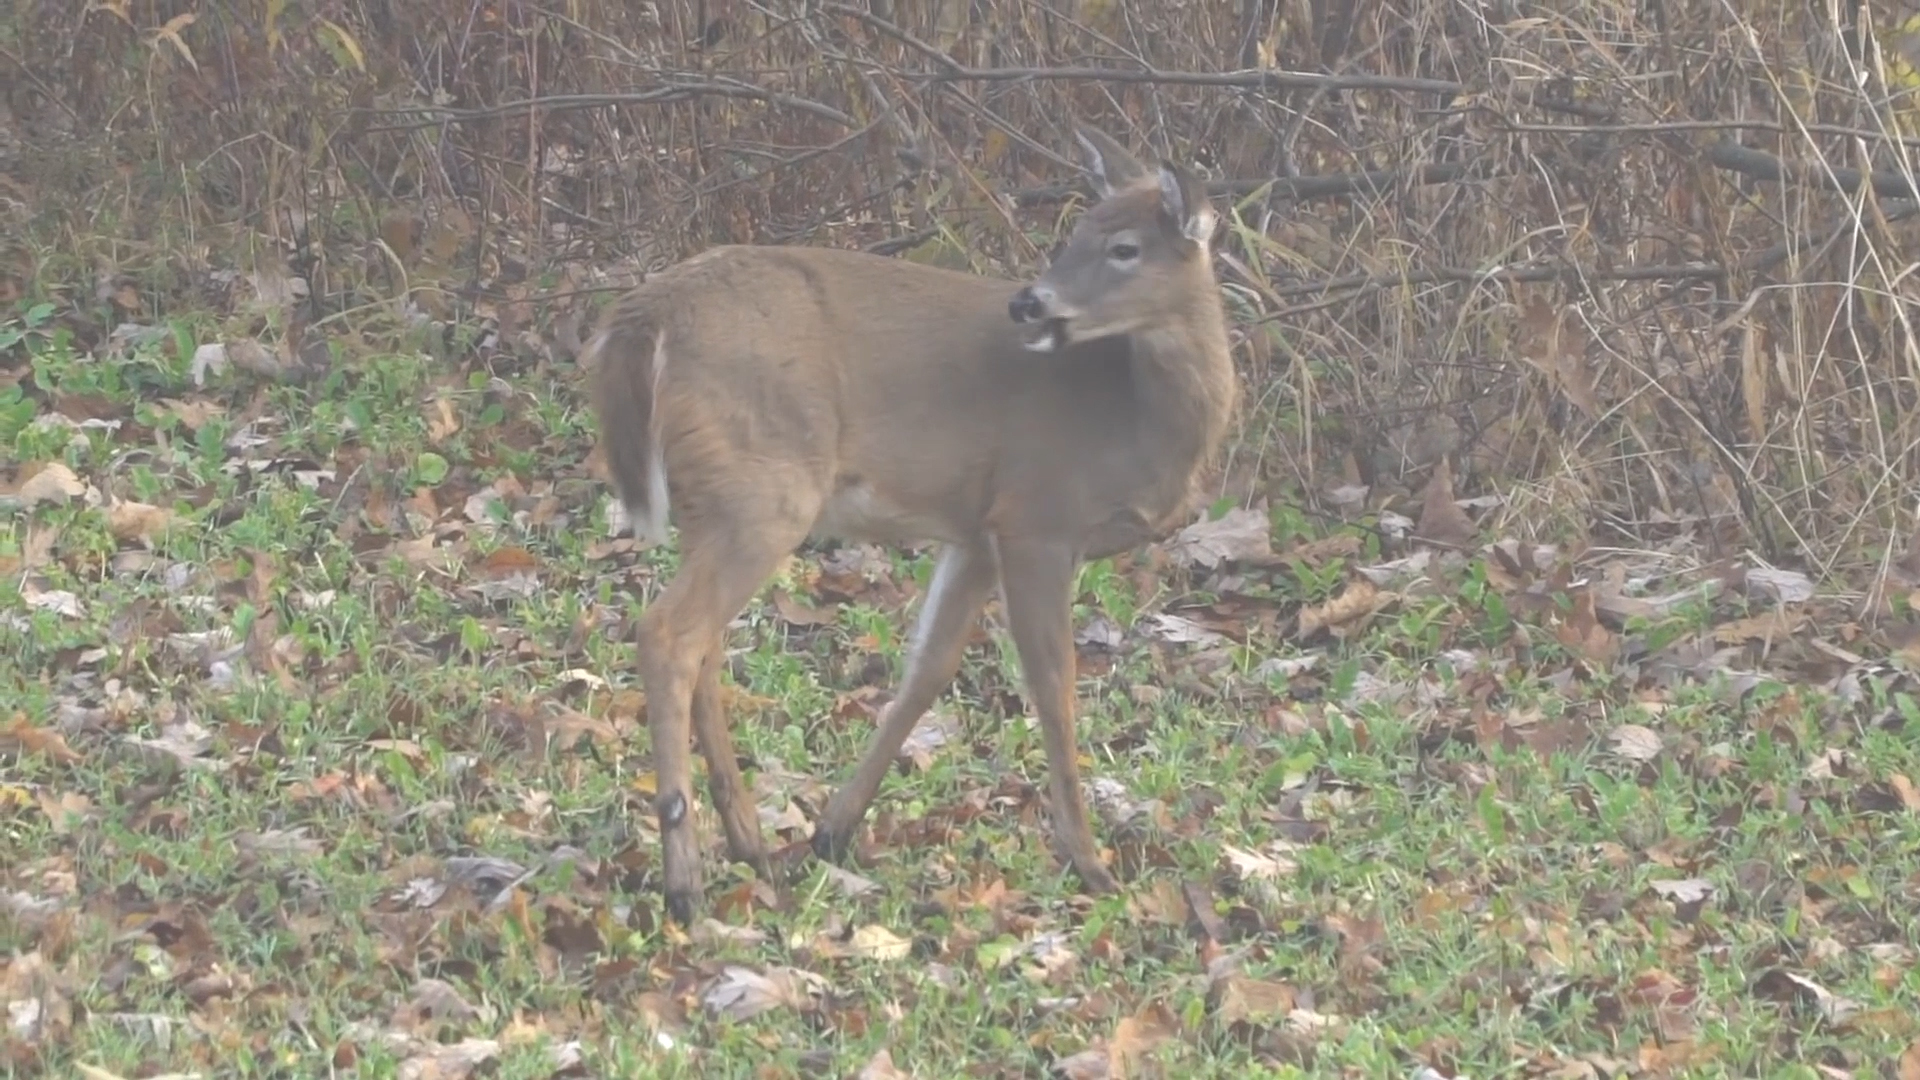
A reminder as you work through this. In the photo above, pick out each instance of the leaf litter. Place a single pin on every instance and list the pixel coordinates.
(1275, 736)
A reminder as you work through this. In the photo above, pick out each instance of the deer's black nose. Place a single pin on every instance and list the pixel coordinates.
(1030, 303)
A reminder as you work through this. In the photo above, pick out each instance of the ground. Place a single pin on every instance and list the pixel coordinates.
(322, 755)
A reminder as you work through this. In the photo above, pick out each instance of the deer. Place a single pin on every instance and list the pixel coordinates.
(757, 397)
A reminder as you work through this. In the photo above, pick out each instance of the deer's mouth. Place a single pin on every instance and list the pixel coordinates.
(1046, 335)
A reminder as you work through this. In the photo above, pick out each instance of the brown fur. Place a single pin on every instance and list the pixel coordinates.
(816, 391)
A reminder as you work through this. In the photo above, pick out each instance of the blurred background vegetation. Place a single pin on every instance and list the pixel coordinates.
(1641, 272)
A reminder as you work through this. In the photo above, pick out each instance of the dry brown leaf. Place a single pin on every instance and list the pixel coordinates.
(52, 482)
(1088, 1064)
(1780, 586)
(433, 1061)
(1553, 341)
(1252, 1000)
(193, 413)
(1239, 535)
(129, 520)
(442, 421)
(22, 737)
(1910, 1063)
(566, 725)
(1773, 625)
(1441, 519)
(797, 612)
(1583, 633)
(1344, 614)
(741, 993)
(507, 561)
(65, 810)
(1904, 789)
(1136, 1038)
(1635, 742)
(881, 1067)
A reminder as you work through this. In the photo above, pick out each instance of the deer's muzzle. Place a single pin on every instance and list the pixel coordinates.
(1037, 303)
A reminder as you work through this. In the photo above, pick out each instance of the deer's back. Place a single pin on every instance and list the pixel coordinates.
(906, 388)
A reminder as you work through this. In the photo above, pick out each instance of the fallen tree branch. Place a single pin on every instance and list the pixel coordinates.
(1302, 188)
(669, 92)
(1761, 165)
(1657, 127)
(1444, 275)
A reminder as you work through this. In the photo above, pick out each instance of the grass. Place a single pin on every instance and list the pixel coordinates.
(325, 757)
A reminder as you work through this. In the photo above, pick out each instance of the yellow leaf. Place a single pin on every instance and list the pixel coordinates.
(993, 146)
(876, 942)
(347, 43)
(275, 8)
(171, 33)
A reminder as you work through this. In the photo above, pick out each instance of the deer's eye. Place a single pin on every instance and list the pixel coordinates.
(1123, 252)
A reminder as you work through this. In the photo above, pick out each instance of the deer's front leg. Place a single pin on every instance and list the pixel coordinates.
(1036, 582)
(961, 582)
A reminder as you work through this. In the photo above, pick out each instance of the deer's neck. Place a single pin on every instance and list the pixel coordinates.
(1184, 387)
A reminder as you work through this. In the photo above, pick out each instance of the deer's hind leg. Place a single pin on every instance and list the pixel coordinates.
(729, 549)
(732, 800)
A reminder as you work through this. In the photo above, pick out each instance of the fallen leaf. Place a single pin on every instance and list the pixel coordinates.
(1582, 632)
(1137, 1037)
(935, 730)
(1239, 535)
(710, 931)
(850, 883)
(1683, 890)
(1441, 519)
(1240, 999)
(1345, 614)
(1177, 630)
(881, 1067)
(442, 421)
(1088, 1064)
(879, 943)
(209, 359)
(52, 482)
(20, 736)
(740, 993)
(129, 520)
(1772, 625)
(1782, 586)
(796, 612)
(1904, 788)
(1635, 742)
(448, 1062)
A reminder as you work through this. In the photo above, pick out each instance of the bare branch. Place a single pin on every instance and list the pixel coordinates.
(1764, 166)
(1300, 188)
(673, 90)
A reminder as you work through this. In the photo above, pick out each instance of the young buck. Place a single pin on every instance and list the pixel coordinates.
(756, 396)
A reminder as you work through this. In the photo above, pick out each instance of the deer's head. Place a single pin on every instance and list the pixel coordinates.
(1112, 275)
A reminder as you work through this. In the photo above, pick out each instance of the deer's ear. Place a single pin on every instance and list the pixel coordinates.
(1108, 164)
(1184, 197)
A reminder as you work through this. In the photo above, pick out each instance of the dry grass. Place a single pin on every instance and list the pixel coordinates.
(1599, 307)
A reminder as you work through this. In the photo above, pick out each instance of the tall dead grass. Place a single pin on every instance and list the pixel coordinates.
(1646, 271)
